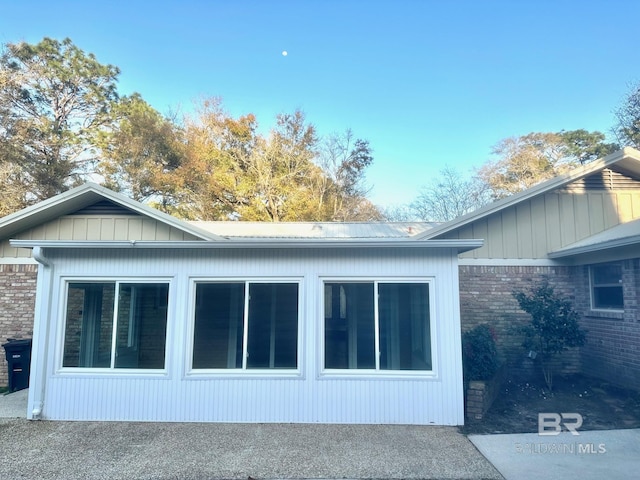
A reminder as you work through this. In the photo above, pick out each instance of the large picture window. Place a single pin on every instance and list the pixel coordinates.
(245, 325)
(115, 325)
(377, 326)
(606, 286)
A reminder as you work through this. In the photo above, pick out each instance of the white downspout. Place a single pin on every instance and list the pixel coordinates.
(39, 346)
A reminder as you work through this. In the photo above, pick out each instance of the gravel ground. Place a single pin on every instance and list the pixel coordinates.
(118, 450)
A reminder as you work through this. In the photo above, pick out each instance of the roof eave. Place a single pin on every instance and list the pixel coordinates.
(460, 246)
(595, 247)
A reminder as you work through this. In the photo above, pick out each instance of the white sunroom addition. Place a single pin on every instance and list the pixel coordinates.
(277, 328)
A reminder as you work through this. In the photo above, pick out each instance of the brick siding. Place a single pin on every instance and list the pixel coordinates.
(612, 352)
(17, 305)
(486, 296)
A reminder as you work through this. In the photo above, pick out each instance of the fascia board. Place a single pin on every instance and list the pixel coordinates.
(460, 246)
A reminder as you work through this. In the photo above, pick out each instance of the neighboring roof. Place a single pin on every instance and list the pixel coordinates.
(626, 160)
(622, 235)
(319, 230)
(81, 197)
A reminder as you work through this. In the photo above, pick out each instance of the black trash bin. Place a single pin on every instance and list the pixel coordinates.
(18, 354)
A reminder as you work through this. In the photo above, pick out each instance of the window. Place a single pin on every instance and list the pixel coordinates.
(115, 325)
(606, 286)
(362, 318)
(245, 325)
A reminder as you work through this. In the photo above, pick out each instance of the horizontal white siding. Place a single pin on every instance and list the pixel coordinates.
(308, 397)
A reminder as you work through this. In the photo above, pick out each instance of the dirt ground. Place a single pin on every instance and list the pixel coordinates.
(602, 406)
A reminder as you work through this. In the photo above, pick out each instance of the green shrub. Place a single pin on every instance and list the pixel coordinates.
(479, 353)
(553, 329)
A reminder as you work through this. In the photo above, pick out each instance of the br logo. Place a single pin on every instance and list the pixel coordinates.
(551, 423)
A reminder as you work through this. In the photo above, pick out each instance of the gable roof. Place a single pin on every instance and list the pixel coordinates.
(82, 197)
(626, 160)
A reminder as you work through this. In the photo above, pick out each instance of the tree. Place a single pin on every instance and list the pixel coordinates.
(141, 153)
(449, 196)
(586, 146)
(530, 159)
(627, 128)
(54, 99)
(214, 178)
(553, 328)
(342, 192)
(230, 171)
(12, 186)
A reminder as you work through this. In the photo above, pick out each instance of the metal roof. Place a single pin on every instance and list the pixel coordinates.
(622, 235)
(315, 230)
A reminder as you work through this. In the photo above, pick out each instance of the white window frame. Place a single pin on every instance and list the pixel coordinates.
(243, 372)
(111, 370)
(592, 286)
(377, 372)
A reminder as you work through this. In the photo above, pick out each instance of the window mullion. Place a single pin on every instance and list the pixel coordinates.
(245, 327)
(376, 319)
(114, 327)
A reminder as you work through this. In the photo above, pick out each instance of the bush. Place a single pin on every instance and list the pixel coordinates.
(553, 329)
(479, 353)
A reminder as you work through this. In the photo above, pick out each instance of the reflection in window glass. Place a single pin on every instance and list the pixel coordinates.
(271, 326)
(606, 286)
(140, 325)
(400, 317)
(217, 342)
(349, 328)
(89, 325)
(405, 342)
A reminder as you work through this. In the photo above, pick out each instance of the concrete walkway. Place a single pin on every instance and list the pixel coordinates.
(119, 450)
(14, 405)
(127, 450)
(598, 454)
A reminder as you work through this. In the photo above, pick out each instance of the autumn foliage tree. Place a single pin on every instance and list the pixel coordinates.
(62, 122)
(230, 171)
(141, 153)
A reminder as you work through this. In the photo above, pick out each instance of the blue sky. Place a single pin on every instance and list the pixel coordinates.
(429, 83)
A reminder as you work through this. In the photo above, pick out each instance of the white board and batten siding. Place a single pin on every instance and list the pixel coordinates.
(307, 396)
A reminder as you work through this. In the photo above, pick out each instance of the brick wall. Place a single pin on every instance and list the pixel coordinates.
(17, 304)
(486, 296)
(612, 352)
